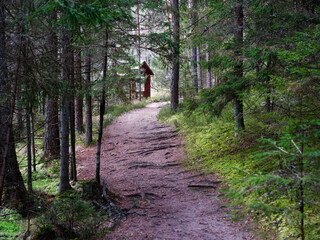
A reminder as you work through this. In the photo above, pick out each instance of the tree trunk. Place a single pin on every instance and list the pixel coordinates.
(102, 109)
(238, 102)
(88, 106)
(175, 55)
(33, 143)
(29, 152)
(208, 55)
(29, 98)
(19, 125)
(79, 95)
(199, 68)
(73, 166)
(27, 82)
(193, 48)
(139, 49)
(51, 136)
(65, 113)
(193, 68)
(10, 177)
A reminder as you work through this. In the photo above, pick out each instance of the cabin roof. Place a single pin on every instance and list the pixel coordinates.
(146, 69)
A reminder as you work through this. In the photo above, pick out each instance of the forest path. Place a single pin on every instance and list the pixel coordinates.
(141, 162)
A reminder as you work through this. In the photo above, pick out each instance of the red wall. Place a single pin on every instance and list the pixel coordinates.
(147, 88)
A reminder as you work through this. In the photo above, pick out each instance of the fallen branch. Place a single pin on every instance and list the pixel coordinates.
(111, 206)
(105, 208)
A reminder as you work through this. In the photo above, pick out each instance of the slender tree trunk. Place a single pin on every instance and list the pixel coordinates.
(199, 68)
(65, 113)
(193, 48)
(208, 55)
(102, 109)
(79, 95)
(193, 68)
(73, 166)
(51, 137)
(29, 98)
(88, 106)
(175, 55)
(139, 48)
(238, 102)
(33, 142)
(301, 202)
(10, 176)
(29, 145)
(28, 87)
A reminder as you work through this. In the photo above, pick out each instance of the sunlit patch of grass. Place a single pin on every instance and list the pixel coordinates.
(11, 224)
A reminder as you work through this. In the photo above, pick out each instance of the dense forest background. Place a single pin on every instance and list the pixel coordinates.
(244, 88)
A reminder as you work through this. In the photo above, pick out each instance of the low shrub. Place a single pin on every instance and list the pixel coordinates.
(69, 217)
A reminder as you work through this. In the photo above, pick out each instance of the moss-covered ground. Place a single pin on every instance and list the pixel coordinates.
(252, 177)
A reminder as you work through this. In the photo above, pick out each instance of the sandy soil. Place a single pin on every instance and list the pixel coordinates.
(141, 162)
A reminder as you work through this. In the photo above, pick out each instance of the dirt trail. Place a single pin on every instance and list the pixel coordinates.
(140, 161)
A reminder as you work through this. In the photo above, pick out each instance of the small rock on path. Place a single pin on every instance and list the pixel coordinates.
(141, 162)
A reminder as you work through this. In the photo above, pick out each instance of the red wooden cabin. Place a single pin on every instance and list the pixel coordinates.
(146, 71)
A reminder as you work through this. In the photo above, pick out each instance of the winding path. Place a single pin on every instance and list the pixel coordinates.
(141, 162)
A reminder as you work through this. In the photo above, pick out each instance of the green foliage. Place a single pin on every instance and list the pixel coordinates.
(289, 191)
(46, 179)
(10, 223)
(69, 217)
(86, 14)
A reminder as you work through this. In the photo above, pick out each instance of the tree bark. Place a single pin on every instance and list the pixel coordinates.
(73, 166)
(102, 109)
(10, 176)
(51, 137)
(33, 143)
(29, 152)
(139, 49)
(19, 125)
(208, 75)
(88, 104)
(65, 114)
(193, 48)
(199, 68)
(238, 102)
(175, 55)
(208, 54)
(79, 95)
(29, 98)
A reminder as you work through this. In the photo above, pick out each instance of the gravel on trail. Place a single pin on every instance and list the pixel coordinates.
(141, 162)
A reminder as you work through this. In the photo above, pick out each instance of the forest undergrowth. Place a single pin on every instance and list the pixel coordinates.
(260, 168)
